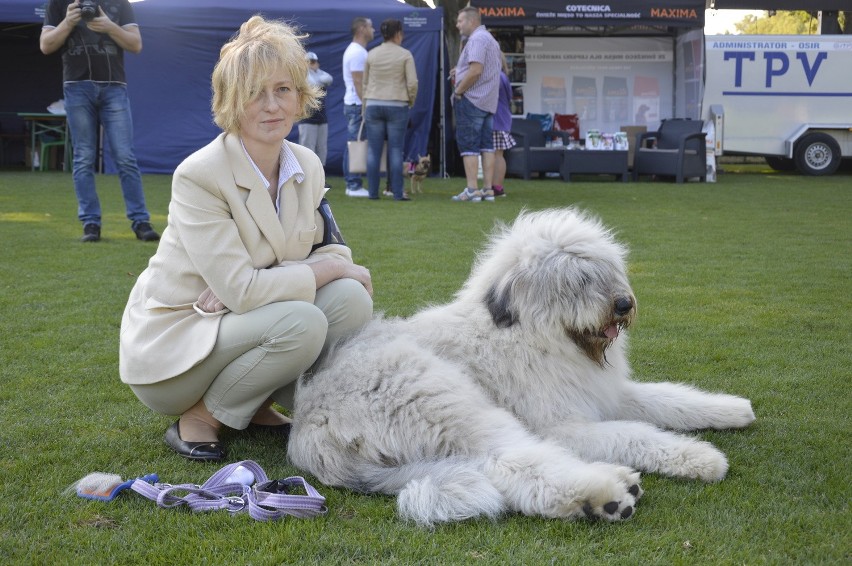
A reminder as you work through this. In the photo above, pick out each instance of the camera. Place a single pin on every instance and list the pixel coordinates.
(88, 9)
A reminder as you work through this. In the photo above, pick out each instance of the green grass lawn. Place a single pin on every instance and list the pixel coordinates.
(743, 286)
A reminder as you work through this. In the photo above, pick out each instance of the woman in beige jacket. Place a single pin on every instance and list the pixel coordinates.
(251, 280)
(390, 88)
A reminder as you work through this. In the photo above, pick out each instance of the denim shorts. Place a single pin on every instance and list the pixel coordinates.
(473, 128)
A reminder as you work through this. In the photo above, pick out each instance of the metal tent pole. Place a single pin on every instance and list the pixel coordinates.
(443, 82)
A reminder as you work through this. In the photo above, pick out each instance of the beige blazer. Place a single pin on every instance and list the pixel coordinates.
(222, 232)
(389, 74)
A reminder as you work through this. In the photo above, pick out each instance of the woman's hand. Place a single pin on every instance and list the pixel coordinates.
(209, 302)
(330, 270)
(360, 274)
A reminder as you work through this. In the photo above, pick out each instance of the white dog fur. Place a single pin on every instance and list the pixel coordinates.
(516, 396)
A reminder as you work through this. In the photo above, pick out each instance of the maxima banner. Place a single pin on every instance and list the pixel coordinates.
(669, 13)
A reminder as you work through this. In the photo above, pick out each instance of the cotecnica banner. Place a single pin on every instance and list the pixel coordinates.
(669, 13)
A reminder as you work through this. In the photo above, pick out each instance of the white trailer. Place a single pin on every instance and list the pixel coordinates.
(785, 97)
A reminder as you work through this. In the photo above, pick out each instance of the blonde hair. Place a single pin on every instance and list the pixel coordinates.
(249, 59)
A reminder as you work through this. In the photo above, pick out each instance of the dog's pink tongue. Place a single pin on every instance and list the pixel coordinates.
(611, 332)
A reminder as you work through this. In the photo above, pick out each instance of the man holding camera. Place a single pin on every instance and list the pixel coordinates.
(92, 36)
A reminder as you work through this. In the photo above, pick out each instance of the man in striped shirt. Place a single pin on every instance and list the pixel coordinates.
(477, 87)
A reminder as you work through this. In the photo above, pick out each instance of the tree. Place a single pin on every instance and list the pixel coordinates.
(781, 23)
(836, 22)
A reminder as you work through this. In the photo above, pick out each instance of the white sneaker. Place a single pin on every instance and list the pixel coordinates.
(488, 195)
(468, 195)
(362, 192)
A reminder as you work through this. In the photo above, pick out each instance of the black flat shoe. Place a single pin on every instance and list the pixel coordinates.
(201, 451)
(278, 430)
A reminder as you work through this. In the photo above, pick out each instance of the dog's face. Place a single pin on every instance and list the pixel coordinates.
(423, 165)
(560, 273)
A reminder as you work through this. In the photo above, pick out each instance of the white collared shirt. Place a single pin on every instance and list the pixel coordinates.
(288, 167)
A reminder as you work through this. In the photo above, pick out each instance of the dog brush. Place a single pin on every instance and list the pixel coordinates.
(105, 487)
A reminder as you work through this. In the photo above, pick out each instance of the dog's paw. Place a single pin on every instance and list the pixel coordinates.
(723, 412)
(615, 496)
(700, 460)
(612, 511)
(740, 413)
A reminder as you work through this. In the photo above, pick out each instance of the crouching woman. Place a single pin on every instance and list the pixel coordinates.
(251, 281)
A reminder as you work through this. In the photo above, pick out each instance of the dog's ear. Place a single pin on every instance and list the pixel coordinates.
(499, 304)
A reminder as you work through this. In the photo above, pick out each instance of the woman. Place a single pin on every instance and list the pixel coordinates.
(390, 88)
(251, 281)
(501, 132)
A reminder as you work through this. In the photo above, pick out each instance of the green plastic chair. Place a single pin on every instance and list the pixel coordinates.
(48, 142)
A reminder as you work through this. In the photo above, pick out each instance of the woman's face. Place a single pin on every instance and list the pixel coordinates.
(270, 115)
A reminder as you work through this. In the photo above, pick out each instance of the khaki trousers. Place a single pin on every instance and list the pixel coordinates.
(261, 353)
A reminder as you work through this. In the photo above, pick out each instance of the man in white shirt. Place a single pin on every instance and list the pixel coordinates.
(353, 74)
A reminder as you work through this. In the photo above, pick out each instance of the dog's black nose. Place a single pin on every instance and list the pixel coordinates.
(623, 306)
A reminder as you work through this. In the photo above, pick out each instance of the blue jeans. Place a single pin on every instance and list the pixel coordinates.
(353, 119)
(385, 122)
(473, 128)
(88, 105)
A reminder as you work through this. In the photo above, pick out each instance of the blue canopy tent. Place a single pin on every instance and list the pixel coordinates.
(22, 11)
(29, 81)
(169, 81)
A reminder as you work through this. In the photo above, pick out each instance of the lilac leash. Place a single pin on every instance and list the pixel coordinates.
(266, 500)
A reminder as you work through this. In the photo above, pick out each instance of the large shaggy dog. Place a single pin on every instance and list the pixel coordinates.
(516, 396)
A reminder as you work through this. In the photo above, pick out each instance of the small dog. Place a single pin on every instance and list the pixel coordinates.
(417, 171)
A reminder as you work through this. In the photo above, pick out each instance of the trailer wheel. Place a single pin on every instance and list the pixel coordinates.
(780, 163)
(817, 154)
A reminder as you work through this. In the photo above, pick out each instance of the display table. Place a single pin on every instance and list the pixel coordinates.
(42, 123)
(594, 162)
